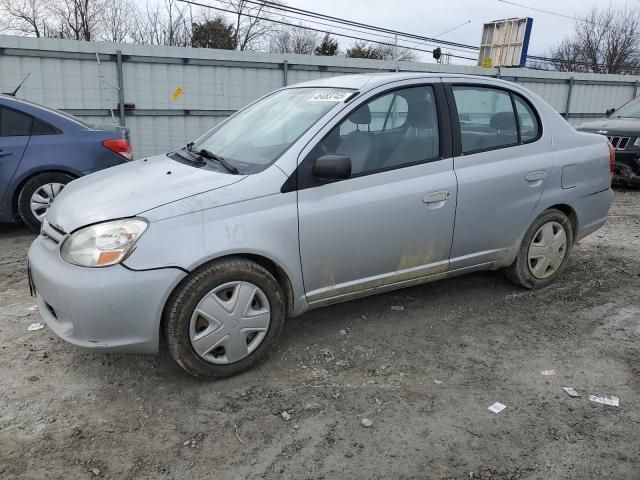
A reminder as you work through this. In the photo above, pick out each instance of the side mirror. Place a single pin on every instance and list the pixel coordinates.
(332, 167)
(609, 112)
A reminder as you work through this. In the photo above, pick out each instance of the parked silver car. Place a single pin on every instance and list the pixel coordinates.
(316, 193)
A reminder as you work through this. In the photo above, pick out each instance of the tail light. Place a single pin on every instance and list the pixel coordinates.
(612, 157)
(121, 146)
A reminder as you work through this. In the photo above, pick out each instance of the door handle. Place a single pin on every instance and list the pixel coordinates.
(436, 199)
(535, 176)
(4, 154)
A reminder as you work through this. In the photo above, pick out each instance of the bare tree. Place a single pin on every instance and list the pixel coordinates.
(166, 23)
(118, 19)
(251, 27)
(76, 19)
(604, 41)
(294, 40)
(28, 17)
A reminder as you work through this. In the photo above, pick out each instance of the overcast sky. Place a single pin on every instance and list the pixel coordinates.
(432, 17)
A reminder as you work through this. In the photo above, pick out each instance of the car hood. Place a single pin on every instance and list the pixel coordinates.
(131, 189)
(613, 126)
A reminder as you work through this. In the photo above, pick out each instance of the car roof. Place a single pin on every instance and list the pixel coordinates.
(369, 81)
(50, 115)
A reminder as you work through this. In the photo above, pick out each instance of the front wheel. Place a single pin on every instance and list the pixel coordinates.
(224, 318)
(544, 251)
(37, 194)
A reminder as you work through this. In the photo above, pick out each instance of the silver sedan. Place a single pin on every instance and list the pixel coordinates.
(315, 194)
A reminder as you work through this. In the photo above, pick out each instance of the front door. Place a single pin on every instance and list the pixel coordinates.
(391, 222)
(15, 129)
(503, 166)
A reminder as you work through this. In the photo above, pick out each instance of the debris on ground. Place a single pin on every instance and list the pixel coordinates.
(437, 382)
(33, 378)
(33, 308)
(34, 327)
(343, 332)
(497, 407)
(398, 308)
(548, 372)
(237, 434)
(605, 399)
(285, 416)
(95, 471)
(190, 443)
(366, 422)
(571, 392)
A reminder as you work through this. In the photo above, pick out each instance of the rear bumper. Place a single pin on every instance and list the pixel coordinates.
(592, 212)
(106, 309)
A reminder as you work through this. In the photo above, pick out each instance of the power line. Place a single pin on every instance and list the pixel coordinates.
(300, 11)
(316, 22)
(323, 16)
(549, 12)
(190, 2)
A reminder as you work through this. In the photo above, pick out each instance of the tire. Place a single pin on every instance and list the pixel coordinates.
(190, 315)
(49, 183)
(532, 273)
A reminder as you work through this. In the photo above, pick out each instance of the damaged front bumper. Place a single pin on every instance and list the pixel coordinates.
(108, 309)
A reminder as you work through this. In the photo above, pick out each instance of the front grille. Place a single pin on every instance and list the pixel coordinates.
(53, 233)
(619, 143)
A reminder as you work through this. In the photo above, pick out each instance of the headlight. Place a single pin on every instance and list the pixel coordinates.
(103, 244)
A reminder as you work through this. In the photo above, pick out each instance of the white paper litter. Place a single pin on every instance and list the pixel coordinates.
(397, 307)
(497, 407)
(571, 391)
(548, 372)
(605, 399)
(33, 308)
(34, 327)
(437, 382)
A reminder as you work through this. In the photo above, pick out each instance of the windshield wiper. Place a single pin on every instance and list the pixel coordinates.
(203, 152)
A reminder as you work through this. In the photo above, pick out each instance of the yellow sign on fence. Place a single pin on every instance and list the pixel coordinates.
(177, 93)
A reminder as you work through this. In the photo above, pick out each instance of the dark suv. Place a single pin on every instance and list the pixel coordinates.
(622, 128)
(41, 150)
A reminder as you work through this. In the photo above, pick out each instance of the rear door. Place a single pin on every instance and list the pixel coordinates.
(503, 161)
(391, 222)
(15, 131)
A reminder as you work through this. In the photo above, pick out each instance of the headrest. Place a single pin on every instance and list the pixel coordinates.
(361, 116)
(504, 121)
(420, 115)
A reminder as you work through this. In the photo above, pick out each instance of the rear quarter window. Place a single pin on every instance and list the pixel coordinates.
(14, 123)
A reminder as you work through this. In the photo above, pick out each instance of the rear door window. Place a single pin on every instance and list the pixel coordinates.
(14, 123)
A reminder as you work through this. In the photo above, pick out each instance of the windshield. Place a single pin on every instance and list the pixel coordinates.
(630, 109)
(258, 135)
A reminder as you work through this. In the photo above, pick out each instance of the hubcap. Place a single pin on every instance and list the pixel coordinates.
(547, 250)
(42, 198)
(230, 322)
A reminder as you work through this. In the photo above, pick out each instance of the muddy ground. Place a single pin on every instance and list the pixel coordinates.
(73, 415)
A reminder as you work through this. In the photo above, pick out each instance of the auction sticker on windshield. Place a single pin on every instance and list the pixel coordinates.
(329, 96)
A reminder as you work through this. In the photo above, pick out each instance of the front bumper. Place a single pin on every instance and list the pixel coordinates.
(106, 309)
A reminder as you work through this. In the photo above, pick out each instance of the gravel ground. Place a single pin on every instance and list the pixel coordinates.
(424, 376)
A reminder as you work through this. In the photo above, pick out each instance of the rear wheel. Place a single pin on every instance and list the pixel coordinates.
(224, 318)
(36, 196)
(544, 251)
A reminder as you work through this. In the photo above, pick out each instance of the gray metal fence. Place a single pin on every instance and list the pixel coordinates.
(133, 84)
